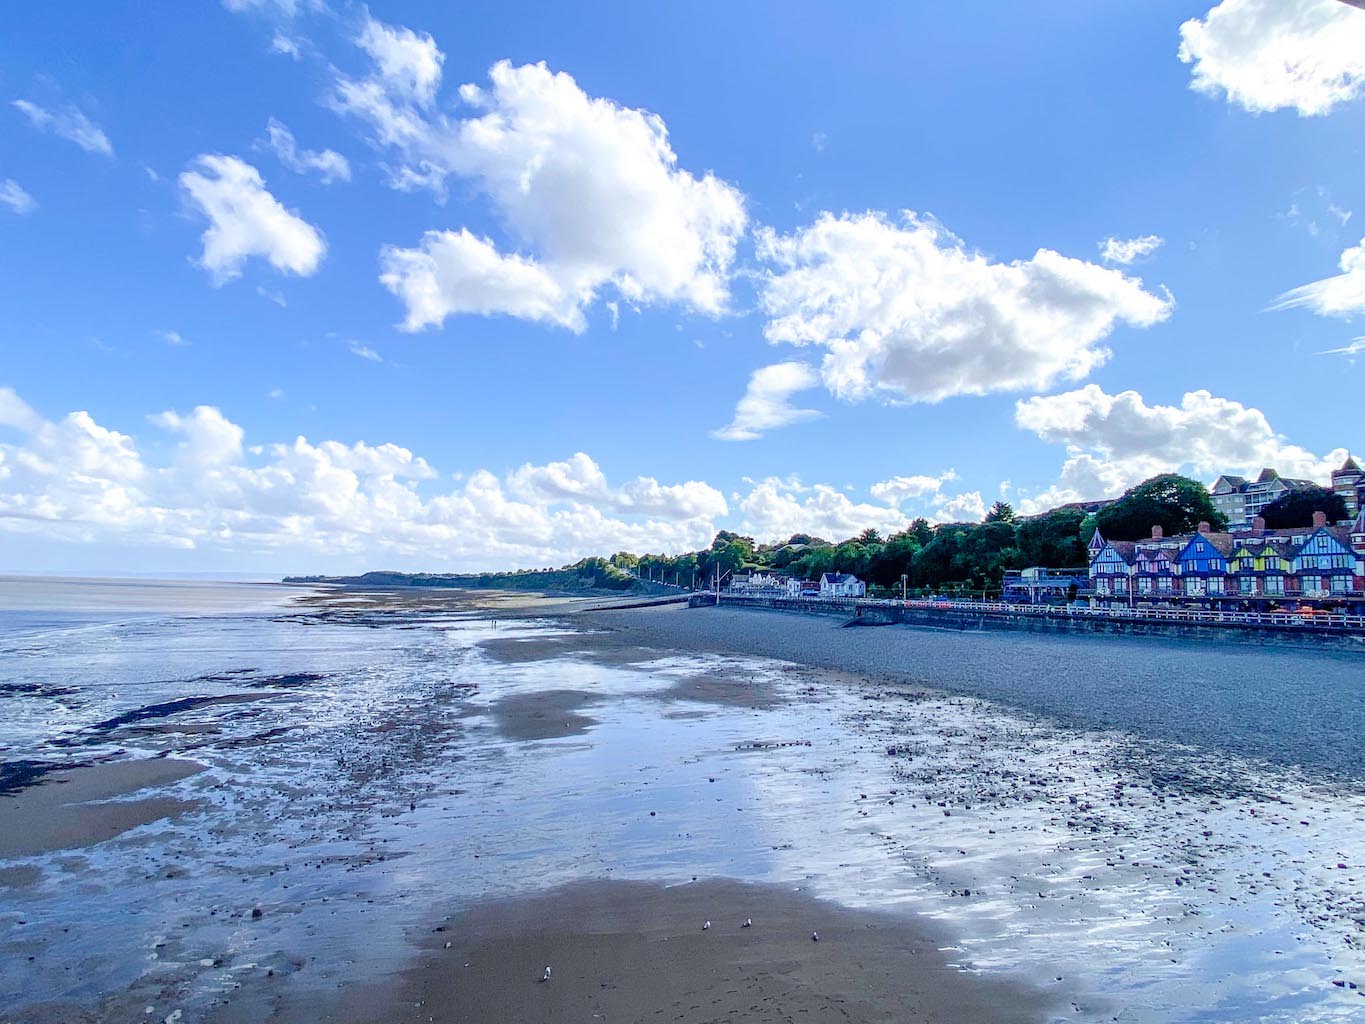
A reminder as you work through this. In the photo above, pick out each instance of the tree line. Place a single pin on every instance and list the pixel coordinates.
(958, 557)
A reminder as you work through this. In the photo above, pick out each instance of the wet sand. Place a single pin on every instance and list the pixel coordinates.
(78, 807)
(630, 951)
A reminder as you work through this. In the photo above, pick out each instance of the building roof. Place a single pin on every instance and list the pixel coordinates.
(1350, 465)
(835, 578)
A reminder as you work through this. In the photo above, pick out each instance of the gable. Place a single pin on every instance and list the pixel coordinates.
(1323, 543)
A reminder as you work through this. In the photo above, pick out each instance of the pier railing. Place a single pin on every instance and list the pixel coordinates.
(1333, 621)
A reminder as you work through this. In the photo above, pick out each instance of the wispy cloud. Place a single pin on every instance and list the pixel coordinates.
(365, 352)
(172, 338)
(1355, 348)
(13, 195)
(69, 123)
(1129, 250)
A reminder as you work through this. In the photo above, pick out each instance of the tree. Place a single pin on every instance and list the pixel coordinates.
(1053, 538)
(1175, 503)
(869, 536)
(921, 531)
(1295, 508)
(1001, 512)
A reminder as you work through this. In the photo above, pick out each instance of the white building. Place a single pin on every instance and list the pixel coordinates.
(1242, 500)
(841, 584)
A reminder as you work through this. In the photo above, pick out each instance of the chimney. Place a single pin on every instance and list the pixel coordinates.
(1319, 520)
(1157, 533)
(1204, 527)
(1258, 524)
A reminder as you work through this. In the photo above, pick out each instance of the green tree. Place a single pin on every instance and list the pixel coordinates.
(1175, 503)
(1295, 508)
(1052, 539)
(1001, 512)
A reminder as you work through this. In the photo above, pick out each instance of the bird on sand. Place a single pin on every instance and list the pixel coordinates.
(706, 926)
(815, 936)
(747, 923)
(546, 975)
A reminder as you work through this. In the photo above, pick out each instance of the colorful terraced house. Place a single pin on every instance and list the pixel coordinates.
(1320, 566)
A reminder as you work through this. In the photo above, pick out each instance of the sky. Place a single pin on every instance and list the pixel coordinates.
(315, 286)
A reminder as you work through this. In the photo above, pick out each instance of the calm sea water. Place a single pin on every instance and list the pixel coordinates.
(361, 777)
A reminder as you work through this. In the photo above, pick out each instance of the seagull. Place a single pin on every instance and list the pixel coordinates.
(546, 975)
(815, 936)
(747, 923)
(706, 926)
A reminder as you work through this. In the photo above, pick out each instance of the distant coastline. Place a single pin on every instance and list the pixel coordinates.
(572, 580)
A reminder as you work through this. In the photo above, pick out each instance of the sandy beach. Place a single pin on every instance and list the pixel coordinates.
(325, 796)
(630, 951)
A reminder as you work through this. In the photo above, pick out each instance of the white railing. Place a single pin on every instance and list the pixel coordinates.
(1333, 620)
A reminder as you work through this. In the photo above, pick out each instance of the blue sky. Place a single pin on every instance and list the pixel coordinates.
(511, 310)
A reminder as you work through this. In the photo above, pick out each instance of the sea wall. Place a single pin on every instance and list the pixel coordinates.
(857, 613)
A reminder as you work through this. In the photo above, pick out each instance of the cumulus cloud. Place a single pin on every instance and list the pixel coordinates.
(245, 220)
(409, 63)
(907, 312)
(1125, 251)
(1263, 55)
(766, 403)
(13, 195)
(900, 489)
(776, 508)
(328, 164)
(68, 123)
(328, 501)
(1115, 441)
(580, 479)
(1342, 295)
(589, 191)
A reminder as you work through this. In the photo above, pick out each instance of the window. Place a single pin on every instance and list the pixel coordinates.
(1215, 585)
(1246, 585)
(1341, 584)
(1121, 585)
(1164, 585)
(1274, 585)
(1144, 585)
(1194, 585)
(1312, 584)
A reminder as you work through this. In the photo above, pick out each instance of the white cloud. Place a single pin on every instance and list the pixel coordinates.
(766, 403)
(1349, 350)
(907, 312)
(245, 220)
(775, 508)
(409, 63)
(456, 272)
(590, 193)
(285, 46)
(1342, 295)
(365, 352)
(580, 479)
(968, 507)
(172, 338)
(69, 123)
(328, 163)
(1115, 441)
(1308, 55)
(12, 194)
(326, 503)
(900, 489)
(15, 412)
(279, 8)
(1125, 251)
